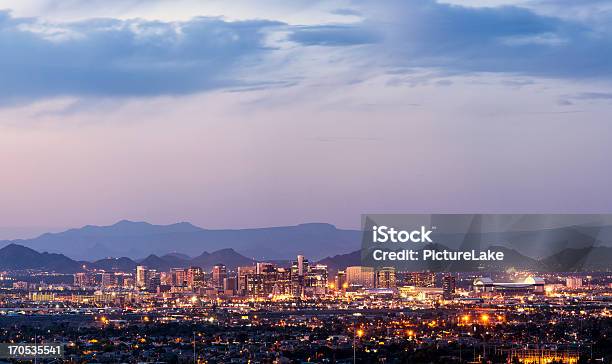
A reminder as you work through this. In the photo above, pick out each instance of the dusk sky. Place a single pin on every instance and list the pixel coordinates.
(233, 114)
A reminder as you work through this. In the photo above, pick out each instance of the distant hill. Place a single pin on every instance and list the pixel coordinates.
(113, 264)
(341, 261)
(570, 260)
(138, 239)
(155, 262)
(17, 257)
(229, 257)
(315, 241)
(206, 260)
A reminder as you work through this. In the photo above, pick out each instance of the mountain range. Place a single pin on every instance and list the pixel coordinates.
(137, 239)
(17, 257)
(182, 244)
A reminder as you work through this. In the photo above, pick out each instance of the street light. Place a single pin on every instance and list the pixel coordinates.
(356, 333)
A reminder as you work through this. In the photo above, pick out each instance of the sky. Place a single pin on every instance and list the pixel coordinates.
(270, 113)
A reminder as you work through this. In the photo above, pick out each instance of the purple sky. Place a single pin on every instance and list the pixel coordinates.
(279, 113)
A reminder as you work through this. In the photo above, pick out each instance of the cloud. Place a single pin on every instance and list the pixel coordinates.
(109, 57)
(122, 58)
(334, 35)
(460, 39)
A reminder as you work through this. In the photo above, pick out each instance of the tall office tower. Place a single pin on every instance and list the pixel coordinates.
(385, 278)
(243, 278)
(108, 280)
(282, 285)
(84, 279)
(302, 264)
(341, 280)
(317, 280)
(299, 269)
(267, 275)
(179, 277)
(194, 276)
(141, 276)
(360, 276)
(219, 272)
(230, 285)
(449, 285)
(153, 280)
(573, 282)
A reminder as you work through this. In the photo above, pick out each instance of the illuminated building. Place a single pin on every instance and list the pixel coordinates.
(230, 285)
(84, 279)
(219, 273)
(385, 278)
(529, 285)
(316, 280)
(109, 280)
(267, 276)
(302, 265)
(179, 277)
(340, 280)
(543, 356)
(243, 279)
(298, 271)
(282, 285)
(141, 276)
(360, 276)
(41, 296)
(195, 277)
(449, 285)
(573, 282)
(417, 279)
(153, 280)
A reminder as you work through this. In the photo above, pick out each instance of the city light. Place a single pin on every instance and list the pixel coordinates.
(484, 318)
(269, 297)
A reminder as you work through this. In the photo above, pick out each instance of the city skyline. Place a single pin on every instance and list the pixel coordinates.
(314, 111)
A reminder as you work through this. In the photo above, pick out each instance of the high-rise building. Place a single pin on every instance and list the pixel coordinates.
(416, 279)
(316, 281)
(243, 278)
(141, 276)
(267, 276)
(340, 282)
(302, 265)
(360, 276)
(179, 277)
(449, 285)
(84, 279)
(219, 273)
(108, 280)
(282, 285)
(299, 268)
(194, 277)
(573, 282)
(230, 285)
(385, 277)
(153, 280)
